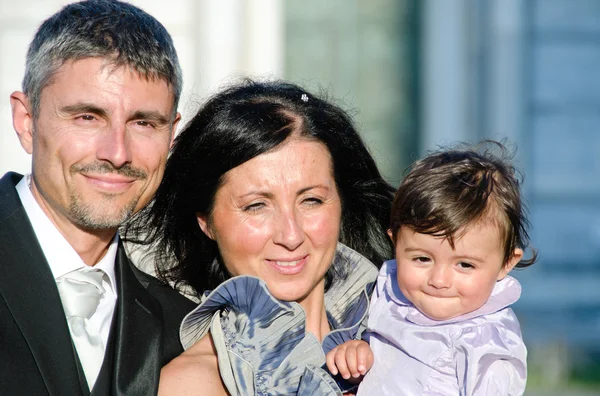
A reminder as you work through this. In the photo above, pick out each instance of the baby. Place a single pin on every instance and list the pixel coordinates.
(440, 321)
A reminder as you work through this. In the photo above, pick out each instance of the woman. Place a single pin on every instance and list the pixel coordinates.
(259, 189)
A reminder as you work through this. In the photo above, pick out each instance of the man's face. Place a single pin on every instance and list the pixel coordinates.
(99, 143)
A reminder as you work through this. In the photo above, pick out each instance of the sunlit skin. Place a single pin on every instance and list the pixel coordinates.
(99, 146)
(277, 217)
(445, 282)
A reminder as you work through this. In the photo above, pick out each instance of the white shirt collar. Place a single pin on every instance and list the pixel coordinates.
(60, 255)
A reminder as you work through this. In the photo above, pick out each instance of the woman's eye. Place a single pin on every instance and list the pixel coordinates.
(313, 201)
(254, 207)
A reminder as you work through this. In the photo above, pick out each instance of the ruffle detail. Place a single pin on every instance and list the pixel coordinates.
(264, 341)
(317, 381)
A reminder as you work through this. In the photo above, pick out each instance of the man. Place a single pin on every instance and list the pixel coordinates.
(97, 114)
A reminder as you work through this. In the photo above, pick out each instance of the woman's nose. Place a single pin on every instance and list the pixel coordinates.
(288, 232)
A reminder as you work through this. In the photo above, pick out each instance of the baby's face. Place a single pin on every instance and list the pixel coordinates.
(443, 282)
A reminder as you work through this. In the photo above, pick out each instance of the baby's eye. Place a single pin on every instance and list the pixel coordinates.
(466, 266)
(422, 259)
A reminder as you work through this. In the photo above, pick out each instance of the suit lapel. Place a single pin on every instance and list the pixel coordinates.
(29, 290)
(138, 341)
(103, 384)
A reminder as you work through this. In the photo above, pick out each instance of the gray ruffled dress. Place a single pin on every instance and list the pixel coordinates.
(262, 344)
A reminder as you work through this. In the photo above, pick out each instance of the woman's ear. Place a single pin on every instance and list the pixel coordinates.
(204, 225)
(512, 261)
(390, 234)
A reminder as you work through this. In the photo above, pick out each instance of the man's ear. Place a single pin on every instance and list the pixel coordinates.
(22, 119)
(512, 261)
(204, 226)
(174, 128)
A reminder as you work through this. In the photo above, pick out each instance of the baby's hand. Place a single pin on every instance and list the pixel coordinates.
(352, 359)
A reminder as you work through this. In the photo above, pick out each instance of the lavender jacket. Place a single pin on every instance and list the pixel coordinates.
(479, 353)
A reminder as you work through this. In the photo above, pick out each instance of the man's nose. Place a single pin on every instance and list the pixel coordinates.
(114, 146)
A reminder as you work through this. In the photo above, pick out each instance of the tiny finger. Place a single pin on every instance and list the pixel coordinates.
(352, 363)
(330, 361)
(342, 365)
(364, 358)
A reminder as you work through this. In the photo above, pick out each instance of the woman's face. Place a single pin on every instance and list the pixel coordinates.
(277, 217)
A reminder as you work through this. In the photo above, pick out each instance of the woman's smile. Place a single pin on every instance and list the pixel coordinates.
(288, 267)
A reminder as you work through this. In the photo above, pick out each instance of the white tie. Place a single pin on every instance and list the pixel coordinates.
(80, 292)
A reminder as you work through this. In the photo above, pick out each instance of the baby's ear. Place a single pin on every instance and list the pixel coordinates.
(512, 261)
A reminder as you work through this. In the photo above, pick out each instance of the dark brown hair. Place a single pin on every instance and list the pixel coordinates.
(240, 123)
(455, 187)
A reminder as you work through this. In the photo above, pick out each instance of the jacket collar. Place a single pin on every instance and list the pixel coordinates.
(138, 333)
(22, 265)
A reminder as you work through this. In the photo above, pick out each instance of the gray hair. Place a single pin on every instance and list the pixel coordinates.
(117, 31)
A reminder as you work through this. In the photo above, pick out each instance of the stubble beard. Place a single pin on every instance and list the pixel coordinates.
(102, 214)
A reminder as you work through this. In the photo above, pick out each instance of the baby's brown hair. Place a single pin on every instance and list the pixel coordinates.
(452, 188)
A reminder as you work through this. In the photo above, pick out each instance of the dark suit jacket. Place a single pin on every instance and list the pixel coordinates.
(36, 352)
